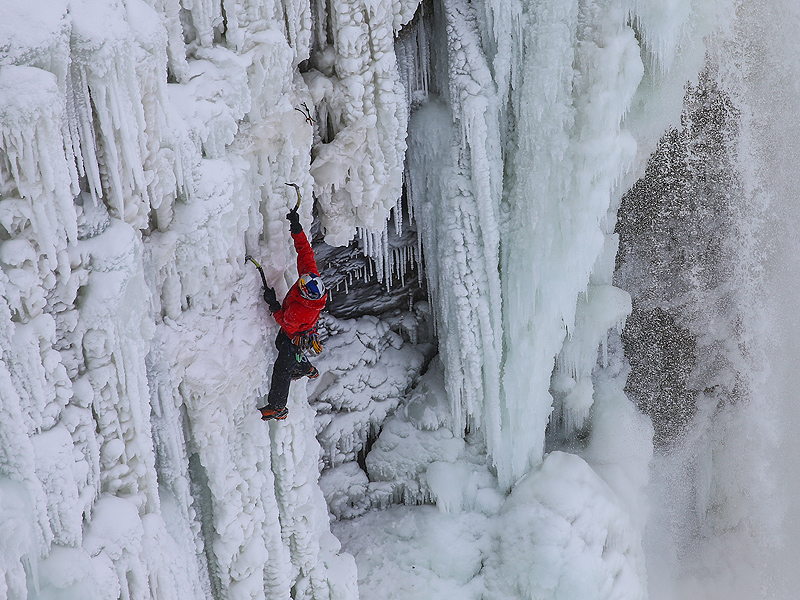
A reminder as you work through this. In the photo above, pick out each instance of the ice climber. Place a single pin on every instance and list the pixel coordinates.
(298, 320)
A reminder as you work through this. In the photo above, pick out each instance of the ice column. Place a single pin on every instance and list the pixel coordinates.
(576, 85)
(597, 82)
(455, 179)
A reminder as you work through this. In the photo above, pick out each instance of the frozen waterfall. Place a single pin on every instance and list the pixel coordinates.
(560, 356)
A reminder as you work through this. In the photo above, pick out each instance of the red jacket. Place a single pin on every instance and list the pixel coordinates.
(300, 314)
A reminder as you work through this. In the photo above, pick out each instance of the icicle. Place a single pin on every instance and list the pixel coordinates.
(32, 133)
(455, 158)
(403, 271)
(398, 217)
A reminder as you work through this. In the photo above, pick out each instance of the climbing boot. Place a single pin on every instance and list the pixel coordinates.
(312, 373)
(268, 413)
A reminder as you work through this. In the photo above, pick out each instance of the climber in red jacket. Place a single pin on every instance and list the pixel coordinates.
(298, 319)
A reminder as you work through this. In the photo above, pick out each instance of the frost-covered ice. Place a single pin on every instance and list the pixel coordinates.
(127, 436)
(560, 534)
(478, 445)
(367, 369)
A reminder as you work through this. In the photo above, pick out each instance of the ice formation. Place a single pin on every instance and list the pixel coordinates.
(486, 201)
(127, 205)
(145, 148)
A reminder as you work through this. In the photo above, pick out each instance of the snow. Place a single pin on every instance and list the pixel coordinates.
(367, 368)
(477, 445)
(560, 534)
(572, 554)
(417, 553)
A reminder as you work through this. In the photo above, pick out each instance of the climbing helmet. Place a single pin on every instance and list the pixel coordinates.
(311, 286)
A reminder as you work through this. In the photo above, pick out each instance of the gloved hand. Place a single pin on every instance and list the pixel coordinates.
(294, 219)
(271, 299)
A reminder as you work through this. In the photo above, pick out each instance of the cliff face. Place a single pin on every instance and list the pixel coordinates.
(145, 151)
(461, 167)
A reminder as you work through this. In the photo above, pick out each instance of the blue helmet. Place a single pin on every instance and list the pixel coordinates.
(311, 286)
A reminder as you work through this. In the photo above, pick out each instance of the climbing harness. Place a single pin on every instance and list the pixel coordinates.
(308, 341)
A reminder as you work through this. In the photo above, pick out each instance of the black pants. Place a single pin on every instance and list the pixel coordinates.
(291, 363)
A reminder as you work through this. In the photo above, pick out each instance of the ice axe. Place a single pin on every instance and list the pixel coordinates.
(258, 266)
(296, 189)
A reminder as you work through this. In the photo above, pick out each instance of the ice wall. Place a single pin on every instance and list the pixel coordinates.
(530, 120)
(538, 116)
(145, 150)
